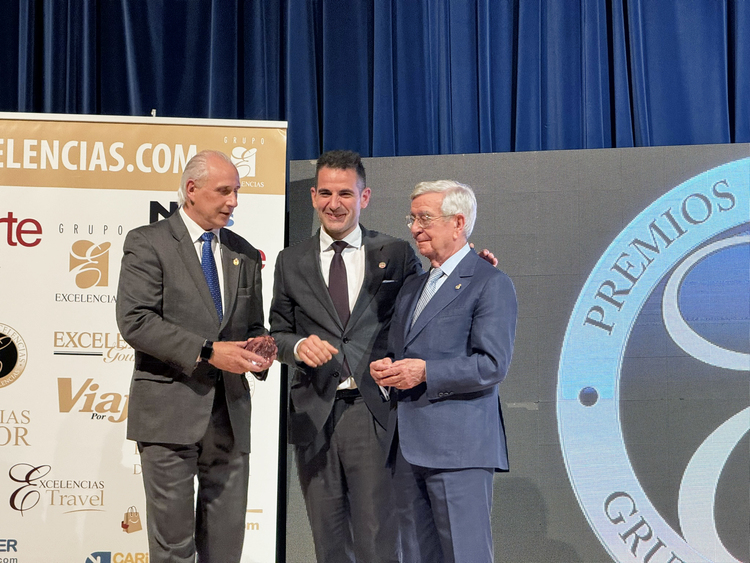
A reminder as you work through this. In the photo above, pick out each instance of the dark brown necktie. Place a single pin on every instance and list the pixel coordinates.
(337, 284)
(338, 288)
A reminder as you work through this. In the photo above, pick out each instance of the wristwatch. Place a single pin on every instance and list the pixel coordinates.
(206, 350)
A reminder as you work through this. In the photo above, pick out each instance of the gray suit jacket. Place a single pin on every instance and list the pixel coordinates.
(302, 306)
(465, 334)
(165, 312)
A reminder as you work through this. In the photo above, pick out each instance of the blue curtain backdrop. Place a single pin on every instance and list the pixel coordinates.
(395, 77)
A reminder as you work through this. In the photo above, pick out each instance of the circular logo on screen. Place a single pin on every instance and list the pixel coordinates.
(12, 355)
(652, 398)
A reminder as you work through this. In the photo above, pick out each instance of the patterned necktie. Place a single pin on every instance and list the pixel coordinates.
(427, 293)
(209, 270)
(337, 284)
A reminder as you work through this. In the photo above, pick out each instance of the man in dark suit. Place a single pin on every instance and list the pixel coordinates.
(337, 414)
(189, 398)
(450, 345)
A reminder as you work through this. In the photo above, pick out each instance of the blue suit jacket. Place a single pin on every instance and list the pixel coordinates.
(465, 334)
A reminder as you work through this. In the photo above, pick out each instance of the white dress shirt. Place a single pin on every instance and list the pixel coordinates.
(196, 231)
(354, 260)
(450, 264)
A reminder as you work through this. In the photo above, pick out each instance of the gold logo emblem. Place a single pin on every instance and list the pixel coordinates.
(90, 263)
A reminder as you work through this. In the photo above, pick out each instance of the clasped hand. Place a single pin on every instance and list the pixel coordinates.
(401, 374)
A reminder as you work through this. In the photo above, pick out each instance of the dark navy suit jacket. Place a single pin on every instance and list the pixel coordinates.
(465, 334)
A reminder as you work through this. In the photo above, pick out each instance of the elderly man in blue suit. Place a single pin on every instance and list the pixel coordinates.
(449, 347)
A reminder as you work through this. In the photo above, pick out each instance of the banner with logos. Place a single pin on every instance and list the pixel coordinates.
(71, 187)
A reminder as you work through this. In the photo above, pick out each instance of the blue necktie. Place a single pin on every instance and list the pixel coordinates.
(209, 270)
(427, 293)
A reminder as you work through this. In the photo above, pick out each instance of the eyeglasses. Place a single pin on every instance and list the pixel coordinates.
(424, 221)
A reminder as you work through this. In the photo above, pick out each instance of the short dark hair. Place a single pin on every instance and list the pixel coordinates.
(341, 160)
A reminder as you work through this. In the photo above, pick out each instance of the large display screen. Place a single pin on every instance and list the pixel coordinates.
(627, 405)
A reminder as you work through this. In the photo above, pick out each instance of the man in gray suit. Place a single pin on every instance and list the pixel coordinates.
(450, 345)
(337, 414)
(189, 398)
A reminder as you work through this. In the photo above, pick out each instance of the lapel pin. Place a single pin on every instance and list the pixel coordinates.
(381, 265)
(236, 262)
(458, 286)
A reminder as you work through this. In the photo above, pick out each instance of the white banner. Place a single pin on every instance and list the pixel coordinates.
(71, 187)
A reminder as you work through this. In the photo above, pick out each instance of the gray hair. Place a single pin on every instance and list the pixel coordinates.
(458, 198)
(197, 170)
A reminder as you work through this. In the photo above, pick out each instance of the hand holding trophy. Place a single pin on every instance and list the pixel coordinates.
(265, 347)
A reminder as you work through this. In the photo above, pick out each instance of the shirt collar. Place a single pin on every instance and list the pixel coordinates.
(194, 229)
(450, 264)
(352, 239)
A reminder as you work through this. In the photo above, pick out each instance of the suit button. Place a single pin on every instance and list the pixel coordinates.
(345, 341)
(335, 374)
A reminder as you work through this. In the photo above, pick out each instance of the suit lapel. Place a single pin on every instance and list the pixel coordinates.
(309, 262)
(375, 266)
(186, 249)
(457, 283)
(230, 264)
